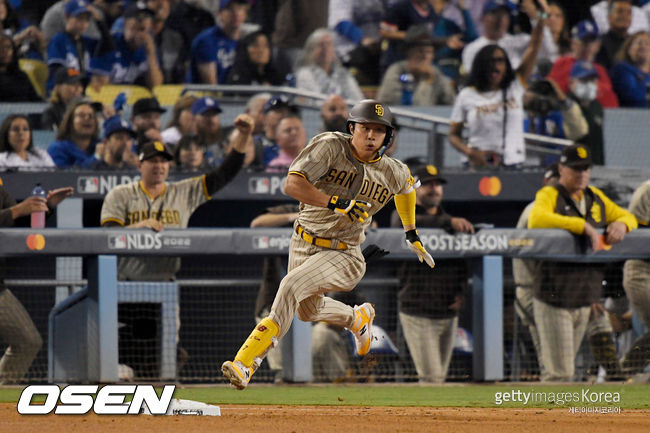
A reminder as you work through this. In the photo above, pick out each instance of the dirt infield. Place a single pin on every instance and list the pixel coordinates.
(326, 419)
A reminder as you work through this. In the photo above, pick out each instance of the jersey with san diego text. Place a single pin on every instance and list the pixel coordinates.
(329, 164)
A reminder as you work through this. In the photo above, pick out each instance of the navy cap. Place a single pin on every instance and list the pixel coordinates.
(76, 7)
(204, 104)
(154, 148)
(493, 5)
(576, 156)
(585, 29)
(116, 124)
(582, 69)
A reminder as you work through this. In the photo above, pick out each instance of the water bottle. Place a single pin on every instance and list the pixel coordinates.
(38, 218)
(408, 86)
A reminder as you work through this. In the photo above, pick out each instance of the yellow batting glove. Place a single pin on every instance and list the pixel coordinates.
(414, 243)
(356, 210)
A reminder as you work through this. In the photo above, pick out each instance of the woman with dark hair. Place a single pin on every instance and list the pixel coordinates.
(182, 123)
(76, 138)
(68, 86)
(558, 26)
(190, 155)
(492, 105)
(253, 62)
(17, 147)
(631, 75)
(14, 83)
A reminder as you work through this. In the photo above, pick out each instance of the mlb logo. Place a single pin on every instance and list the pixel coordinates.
(117, 242)
(261, 242)
(88, 185)
(259, 185)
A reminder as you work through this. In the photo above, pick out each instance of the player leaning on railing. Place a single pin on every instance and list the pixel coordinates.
(340, 180)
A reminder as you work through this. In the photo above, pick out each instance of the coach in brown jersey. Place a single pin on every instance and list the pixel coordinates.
(155, 203)
(340, 180)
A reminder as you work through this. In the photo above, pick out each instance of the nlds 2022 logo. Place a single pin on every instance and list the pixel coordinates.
(103, 184)
(270, 185)
(109, 400)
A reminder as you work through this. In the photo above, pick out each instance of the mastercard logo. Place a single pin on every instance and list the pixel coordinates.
(35, 242)
(489, 186)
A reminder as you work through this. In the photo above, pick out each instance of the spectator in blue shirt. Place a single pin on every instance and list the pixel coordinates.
(135, 60)
(76, 138)
(631, 75)
(213, 50)
(70, 49)
(450, 39)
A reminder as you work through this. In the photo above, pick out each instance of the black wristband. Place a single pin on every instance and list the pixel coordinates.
(412, 236)
(332, 203)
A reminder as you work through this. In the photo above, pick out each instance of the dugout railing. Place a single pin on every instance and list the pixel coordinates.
(82, 329)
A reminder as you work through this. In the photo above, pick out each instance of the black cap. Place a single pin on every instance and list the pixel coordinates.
(154, 148)
(428, 173)
(67, 76)
(147, 105)
(136, 8)
(576, 156)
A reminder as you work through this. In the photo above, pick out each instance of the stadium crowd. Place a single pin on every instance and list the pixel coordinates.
(402, 52)
(505, 67)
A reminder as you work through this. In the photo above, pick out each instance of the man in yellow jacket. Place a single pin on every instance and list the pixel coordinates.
(567, 290)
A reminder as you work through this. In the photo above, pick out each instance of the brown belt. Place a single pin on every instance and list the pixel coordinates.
(332, 244)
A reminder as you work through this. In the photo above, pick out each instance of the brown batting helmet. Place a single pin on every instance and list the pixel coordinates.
(372, 111)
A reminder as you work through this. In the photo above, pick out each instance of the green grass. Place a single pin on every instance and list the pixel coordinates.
(471, 395)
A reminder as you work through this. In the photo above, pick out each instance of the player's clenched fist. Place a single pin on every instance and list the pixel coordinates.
(414, 243)
(244, 123)
(356, 210)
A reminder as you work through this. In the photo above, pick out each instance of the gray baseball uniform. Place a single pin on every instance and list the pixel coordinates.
(636, 282)
(129, 204)
(328, 163)
(527, 274)
(636, 273)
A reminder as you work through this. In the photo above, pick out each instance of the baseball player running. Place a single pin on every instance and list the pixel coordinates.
(340, 181)
(155, 203)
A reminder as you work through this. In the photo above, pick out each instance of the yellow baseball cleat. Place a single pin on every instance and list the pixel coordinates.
(237, 373)
(364, 315)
